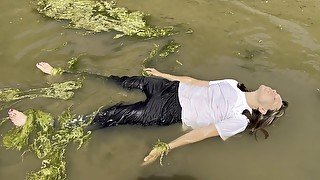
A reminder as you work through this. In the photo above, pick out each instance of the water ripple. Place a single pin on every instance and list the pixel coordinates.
(300, 35)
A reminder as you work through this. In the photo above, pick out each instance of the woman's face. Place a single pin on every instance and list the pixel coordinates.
(268, 98)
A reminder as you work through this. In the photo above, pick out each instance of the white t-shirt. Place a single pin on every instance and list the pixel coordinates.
(221, 103)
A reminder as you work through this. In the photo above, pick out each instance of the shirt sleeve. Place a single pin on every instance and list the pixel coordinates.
(231, 126)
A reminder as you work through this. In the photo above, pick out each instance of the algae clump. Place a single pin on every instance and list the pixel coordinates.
(48, 142)
(100, 15)
(62, 90)
(163, 148)
(169, 48)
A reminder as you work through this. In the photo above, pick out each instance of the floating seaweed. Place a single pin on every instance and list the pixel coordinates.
(163, 148)
(49, 143)
(100, 15)
(18, 137)
(62, 91)
(169, 48)
(166, 50)
(73, 62)
(57, 48)
(146, 62)
(57, 71)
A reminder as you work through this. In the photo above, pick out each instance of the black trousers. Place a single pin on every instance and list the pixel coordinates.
(161, 106)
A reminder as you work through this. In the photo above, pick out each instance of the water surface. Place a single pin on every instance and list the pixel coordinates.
(256, 42)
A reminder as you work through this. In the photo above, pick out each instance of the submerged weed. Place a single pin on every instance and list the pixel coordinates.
(62, 90)
(100, 15)
(48, 142)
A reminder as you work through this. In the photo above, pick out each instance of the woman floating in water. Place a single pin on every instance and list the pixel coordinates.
(210, 108)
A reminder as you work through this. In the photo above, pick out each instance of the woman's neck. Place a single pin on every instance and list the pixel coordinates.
(251, 98)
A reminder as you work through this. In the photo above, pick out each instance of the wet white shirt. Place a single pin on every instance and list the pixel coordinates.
(221, 103)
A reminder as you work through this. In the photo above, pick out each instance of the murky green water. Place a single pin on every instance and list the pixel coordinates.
(256, 42)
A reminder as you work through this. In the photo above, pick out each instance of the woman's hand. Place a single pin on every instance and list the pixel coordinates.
(153, 155)
(152, 71)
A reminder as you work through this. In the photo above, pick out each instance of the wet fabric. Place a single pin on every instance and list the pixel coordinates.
(161, 106)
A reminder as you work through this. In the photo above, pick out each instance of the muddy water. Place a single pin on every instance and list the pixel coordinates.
(256, 42)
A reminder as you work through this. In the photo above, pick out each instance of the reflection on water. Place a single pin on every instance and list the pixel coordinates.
(256, 42)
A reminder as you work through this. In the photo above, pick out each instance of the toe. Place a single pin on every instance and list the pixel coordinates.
(39, 64)
(10, 113)
(14, 111)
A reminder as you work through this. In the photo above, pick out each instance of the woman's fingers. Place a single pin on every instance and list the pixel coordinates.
(148, 162)
(149, 159)
(152, 71)
(149, 71)
(153, 155)
(149, 156)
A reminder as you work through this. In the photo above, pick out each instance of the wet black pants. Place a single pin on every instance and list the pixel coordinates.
(161, 106)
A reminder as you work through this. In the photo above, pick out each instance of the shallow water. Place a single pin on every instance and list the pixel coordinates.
(256, 42)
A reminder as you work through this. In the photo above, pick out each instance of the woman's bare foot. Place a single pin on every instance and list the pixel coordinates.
(17, 117)
(44, 67)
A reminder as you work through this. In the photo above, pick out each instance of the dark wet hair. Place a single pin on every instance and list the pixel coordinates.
(259, 121)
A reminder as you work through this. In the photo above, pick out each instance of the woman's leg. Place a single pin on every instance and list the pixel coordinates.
(121, 114)
(149, 85)
(162, 108)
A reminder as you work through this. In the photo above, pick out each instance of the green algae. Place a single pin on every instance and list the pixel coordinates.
(163, 148)
(49, 142)
(57, 48)
(9, 94)
(56, 71)
(146, 62)
(18, 137)
(62, 91)
(169, 48)
(73, 62)
(100, 15)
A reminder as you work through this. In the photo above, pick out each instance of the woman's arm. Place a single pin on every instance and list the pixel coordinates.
(194, 136)
(183, 79)
(188, 138)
